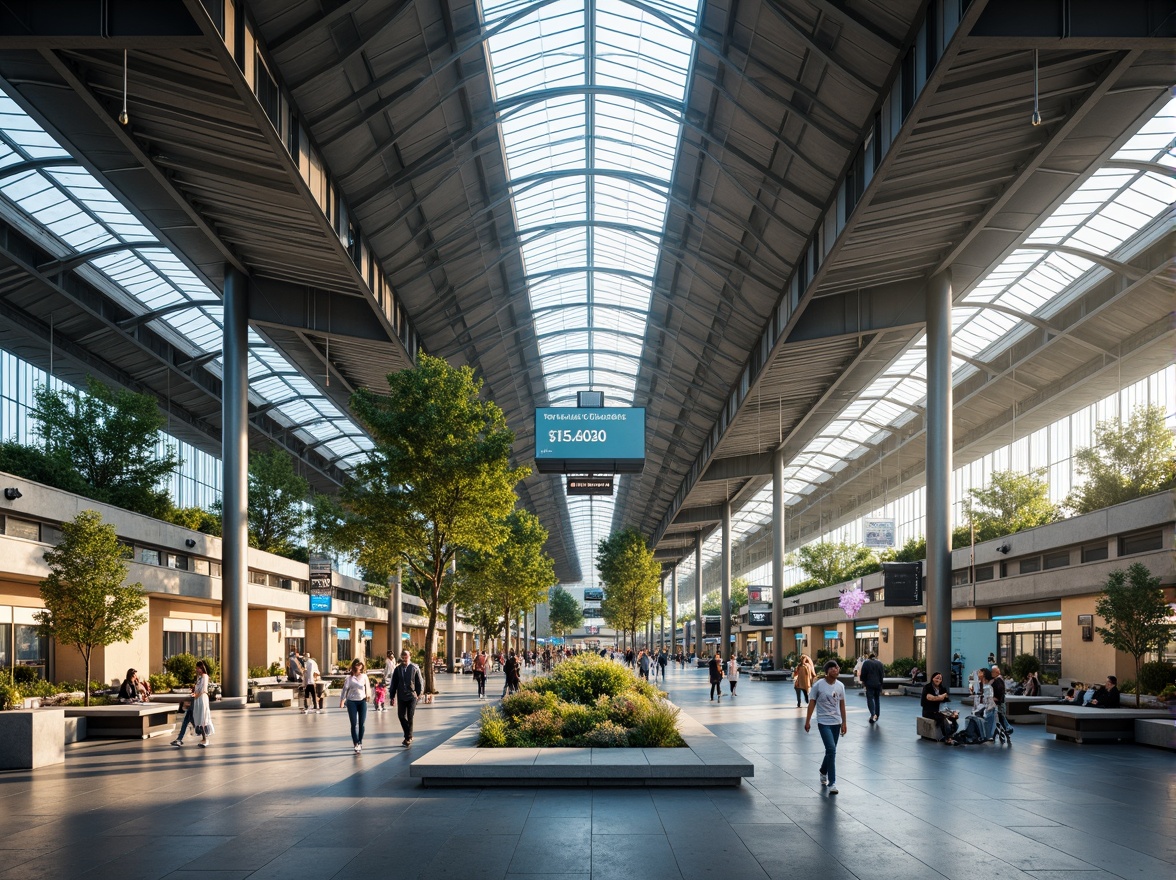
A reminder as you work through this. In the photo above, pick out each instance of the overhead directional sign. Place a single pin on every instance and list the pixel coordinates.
(590, 440)
(590, 485)
(903, 582)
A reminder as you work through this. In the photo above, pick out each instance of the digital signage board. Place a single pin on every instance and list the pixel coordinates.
(590, 440)
(321, 588)
(903, 582)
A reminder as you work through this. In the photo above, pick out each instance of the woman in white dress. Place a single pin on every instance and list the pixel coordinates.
(733, 674)
(201, 715)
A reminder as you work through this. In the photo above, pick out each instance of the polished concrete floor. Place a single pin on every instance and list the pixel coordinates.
(282, 795)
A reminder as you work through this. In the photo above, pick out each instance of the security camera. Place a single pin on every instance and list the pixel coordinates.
(12, 493)
(189, 542)
(1003, 548)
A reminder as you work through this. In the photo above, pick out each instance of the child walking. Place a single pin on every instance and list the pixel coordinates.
(381, 696)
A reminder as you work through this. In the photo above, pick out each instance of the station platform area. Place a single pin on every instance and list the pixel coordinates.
(282, 795)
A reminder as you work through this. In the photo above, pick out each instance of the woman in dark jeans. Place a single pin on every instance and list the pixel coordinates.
(934, 696)
(716, 677)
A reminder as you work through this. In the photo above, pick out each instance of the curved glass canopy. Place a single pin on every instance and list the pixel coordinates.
(43, 190)
(590, 94)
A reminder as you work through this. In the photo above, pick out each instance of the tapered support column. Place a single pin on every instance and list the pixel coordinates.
(725, 606)
(674, 610)
(939, 462)
(698, 628)
(235, 457)
(778, 549)
(395, 620)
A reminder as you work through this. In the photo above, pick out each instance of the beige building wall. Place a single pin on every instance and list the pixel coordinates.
(267, 644)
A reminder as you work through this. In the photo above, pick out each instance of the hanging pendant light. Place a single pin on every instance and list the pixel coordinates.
(123, 118)
(1035, 119)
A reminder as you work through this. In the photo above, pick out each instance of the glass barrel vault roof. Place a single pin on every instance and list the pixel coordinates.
(590, 95)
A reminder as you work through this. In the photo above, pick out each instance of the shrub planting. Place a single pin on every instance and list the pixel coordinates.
(585, 701)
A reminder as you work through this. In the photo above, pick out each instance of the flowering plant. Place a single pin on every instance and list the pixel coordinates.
(851, 601)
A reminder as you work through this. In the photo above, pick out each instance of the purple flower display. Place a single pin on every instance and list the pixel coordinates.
(851, 601)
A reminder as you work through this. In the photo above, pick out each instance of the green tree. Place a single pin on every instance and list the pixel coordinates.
(1126, 461)
(437, 479)
(1010, 503)
(34, 463)
(276, 498)
(87, 603)
(111, 439)
(513, 576)
(632, 581)
(1136, 614)
(563, 612)
(834, 562)
(196, 518)
(712, 604)
(914, 550)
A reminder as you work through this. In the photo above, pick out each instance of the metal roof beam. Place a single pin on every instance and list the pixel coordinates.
(738, 467)
(859, 312)
(1124, 24)
(99, 24)
(325, 313)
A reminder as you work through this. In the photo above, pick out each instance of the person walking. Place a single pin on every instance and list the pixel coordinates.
(512, 674)
(201, 715)
(406, 686)
(293, 667)
(733, 674)
(873, 675)
(716, 677)
(663, 660)
(481, 662)
(310, 692)
(357, 690)
(803, 677)
(828, 701)
(643, 664)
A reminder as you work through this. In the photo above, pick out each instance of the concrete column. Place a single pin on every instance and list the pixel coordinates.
(698, 628)
(451, 627)
(725, 606)
(395, 620)
(778, 550)
(527, 629)
(674, 609)
(235, 459)
(939, 462)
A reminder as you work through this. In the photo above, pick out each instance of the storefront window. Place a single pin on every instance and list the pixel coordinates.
(1041, 638)
(32, 649)
(5, 645)
(199, 645)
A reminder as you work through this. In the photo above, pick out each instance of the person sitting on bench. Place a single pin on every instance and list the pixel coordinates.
(1107, 696)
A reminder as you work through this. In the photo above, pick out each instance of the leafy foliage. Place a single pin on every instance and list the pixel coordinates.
(632, 581)
(515, 575)
(1010, 503)
(276, 496)
(833, 562)
(1156, 675)
(111, 439)
(36, 464)
(563, 612)
(1126, 461)
(195, 518)
(438, 480)
(713, 603)
(914, 550)
(901, 667)
(183, 667)
(1023, 664)
(1136, 615)
(87, 605)
(585, 701)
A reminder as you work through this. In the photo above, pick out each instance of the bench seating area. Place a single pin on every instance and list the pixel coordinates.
(1083, 724)
(136, 721)
(1017, 709)
(275, 697)
(1158, 732)
(927, 728)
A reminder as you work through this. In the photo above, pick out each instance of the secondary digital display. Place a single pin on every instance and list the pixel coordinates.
(590, 440)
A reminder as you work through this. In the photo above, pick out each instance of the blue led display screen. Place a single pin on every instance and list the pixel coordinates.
(590, 440)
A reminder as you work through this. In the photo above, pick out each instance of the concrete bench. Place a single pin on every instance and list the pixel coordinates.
(772, 675)
(1083, 724)
(1158, 732)
(927, 728)
(1017, 709)
(31, 738)
(136, 721)
(275, 697)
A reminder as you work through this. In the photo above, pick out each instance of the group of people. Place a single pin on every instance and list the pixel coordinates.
(718, 672)
(1104, 696)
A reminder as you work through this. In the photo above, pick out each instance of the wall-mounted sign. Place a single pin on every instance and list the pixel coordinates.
(759, 594)
(598, 440)
(594, 595)
(903, 582)
(367, 633)
(321, 589)
(589, 630)
(878, 534)
(590, 485)
(711, 625)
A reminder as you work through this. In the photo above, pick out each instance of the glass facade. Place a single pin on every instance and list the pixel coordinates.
(1041, 638)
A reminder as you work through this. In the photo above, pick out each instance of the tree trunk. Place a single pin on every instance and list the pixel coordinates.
(86, 655)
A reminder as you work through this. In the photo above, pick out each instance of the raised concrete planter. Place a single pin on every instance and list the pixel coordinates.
(1017, 709)
(75, 730)
(706, 761)
(31, 738)
(927, 728)
(1158, 732)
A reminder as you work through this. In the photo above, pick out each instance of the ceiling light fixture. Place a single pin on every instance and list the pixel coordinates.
(1036, 117)
(123, 118)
